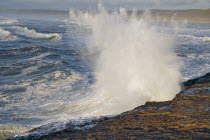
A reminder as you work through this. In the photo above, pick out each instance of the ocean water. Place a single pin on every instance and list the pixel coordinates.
(52, 67)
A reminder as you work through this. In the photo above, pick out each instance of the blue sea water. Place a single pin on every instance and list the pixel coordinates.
(45, 67)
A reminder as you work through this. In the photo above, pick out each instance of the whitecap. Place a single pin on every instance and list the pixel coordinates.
(33, 34)
(6, 35)
(195, 38)
(62, 83)
(8, 21)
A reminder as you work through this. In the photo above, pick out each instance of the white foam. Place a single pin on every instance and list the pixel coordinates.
(29, 70)
(195, 38)
(85, 127)
(61, 84)
(8, 21)
(49, 99)
(6, 35)
(33, 34)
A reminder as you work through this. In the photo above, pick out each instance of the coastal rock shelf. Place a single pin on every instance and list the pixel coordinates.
(187, 116)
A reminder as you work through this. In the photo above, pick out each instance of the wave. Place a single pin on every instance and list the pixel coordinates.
(8, 21)
(6, 35)
(199, 56)
(50, 99)
(62, 83)
(33, 34)
(195, 38)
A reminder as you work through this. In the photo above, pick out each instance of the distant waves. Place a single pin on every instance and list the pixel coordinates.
(205, 38)
(6, 35)
(8, 21)
(33, 34)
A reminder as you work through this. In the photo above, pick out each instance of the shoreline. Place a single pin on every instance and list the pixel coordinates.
(184, 117)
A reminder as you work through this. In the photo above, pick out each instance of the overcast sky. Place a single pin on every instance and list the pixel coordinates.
(110, 4)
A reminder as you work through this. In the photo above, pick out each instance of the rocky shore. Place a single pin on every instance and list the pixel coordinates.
(187, 116)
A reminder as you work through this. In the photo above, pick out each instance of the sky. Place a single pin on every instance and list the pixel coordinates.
(109, 4)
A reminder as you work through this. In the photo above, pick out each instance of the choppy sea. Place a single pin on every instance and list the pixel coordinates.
(46, 69)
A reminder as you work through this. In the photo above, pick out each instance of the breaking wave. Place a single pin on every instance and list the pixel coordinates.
(8, 21)
(195, 38)
(33, 34)
(6, 35)
(136, 63)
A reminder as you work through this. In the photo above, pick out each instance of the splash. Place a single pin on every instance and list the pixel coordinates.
(136, 63)
(32, 33)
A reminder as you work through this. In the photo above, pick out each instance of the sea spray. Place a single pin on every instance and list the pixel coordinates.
(136, 61)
